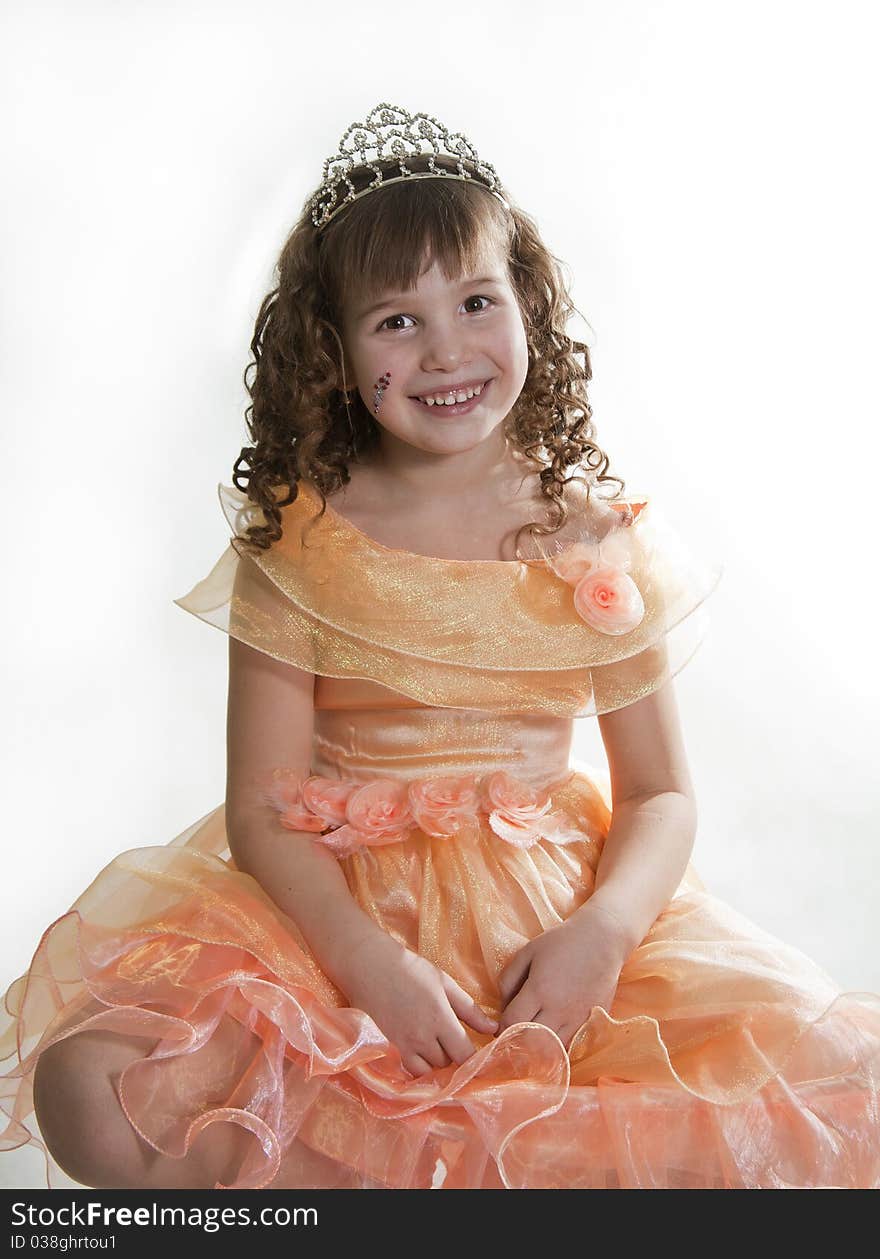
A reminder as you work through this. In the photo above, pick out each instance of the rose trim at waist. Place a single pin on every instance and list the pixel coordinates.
(347, 814)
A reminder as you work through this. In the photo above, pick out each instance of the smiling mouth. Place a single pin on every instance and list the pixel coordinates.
(453, 407)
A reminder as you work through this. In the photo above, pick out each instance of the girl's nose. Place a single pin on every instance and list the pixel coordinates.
(446, 351)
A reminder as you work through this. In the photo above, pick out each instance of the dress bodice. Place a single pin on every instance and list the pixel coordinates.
(363, 729)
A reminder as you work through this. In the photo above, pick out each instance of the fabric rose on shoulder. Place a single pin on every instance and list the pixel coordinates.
(605, 595)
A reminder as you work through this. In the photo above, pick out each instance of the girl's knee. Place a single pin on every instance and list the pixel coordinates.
(80, 1118)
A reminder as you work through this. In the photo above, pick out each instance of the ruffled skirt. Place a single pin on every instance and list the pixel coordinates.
(728, 1058)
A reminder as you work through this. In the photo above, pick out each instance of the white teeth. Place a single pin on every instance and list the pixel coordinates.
(450, 399)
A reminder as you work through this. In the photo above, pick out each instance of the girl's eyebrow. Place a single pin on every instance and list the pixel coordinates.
(405, 297)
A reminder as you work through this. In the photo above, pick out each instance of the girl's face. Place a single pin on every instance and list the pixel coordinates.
(433, 340)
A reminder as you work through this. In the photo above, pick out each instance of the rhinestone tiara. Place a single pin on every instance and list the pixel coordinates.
(391, 134)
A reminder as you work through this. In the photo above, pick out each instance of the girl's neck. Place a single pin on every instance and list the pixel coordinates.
(406, 473)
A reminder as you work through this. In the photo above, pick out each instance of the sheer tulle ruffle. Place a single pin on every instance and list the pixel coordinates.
(728, 1058)
(499, 636)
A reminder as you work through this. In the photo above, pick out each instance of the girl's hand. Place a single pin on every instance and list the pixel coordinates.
(558, 977)
(414, 1003)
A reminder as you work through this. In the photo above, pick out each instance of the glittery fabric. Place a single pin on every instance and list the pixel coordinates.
(481, 634)
(727, 1059)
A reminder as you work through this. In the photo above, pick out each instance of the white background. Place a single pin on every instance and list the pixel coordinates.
(707, 174)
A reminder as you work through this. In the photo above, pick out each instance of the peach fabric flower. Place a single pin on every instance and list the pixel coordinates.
(354, 815)
(379, 812)
(520, 814)
(609, 601)
(282, 788)
(443, 806)
(298, 818)
(328, 797)
(605, 596)
(516, 810)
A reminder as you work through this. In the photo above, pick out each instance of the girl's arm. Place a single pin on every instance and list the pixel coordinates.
(270, 722)
(654, 814)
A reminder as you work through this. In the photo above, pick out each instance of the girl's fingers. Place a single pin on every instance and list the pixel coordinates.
(435, 1054)
(466, 1007)
(415, 1064)
(513, 976)
(522, 1009)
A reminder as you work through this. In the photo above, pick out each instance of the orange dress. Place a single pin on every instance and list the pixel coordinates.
(444, 703)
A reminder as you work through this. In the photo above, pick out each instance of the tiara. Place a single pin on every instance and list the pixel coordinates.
(391, 134)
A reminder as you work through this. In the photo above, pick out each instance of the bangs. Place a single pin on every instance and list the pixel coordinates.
(383, 242)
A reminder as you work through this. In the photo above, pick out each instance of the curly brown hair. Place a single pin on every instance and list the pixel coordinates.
(300, 420)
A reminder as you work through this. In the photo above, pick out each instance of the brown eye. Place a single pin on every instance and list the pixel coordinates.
(389, 320)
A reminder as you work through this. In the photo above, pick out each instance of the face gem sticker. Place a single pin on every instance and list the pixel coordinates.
(381, 385)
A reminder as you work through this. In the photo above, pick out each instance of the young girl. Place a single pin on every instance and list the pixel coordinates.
(415, 948)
